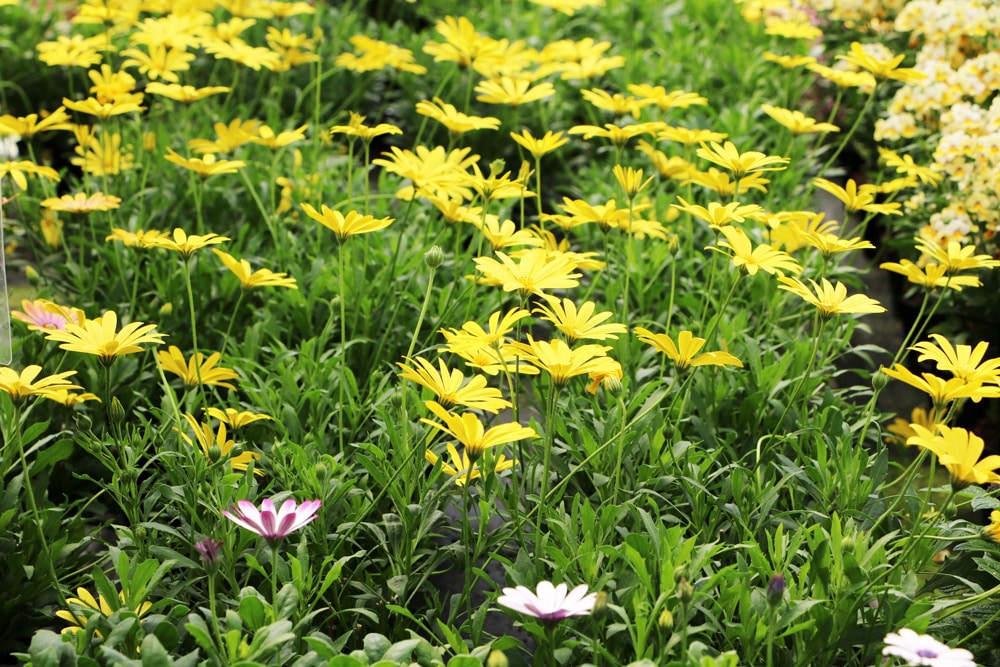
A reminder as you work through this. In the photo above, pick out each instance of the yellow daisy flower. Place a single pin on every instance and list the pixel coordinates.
(830, 299)
(469, 430)
(684, 353)
(198, 367)
(250, 279)
(450, 386)
(100, 336)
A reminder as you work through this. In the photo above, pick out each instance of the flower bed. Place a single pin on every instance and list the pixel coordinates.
(337, 310)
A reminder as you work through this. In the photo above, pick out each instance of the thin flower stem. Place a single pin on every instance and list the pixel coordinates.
(33, 505)
(194, 328)
(621, 449)
(550, 436)
(673, 289)
(343, 345)
(274, 580)
(232, 319)
(850, 133)
(214, 620)
(260, 206)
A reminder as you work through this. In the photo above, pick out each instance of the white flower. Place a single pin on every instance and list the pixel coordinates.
(925, 650)
(550, 603)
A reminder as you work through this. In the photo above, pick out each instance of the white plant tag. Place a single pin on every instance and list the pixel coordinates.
(6, 351)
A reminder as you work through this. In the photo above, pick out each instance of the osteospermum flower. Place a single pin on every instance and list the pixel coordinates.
(270, 523)
(453, 119)
(101, 337)
(750, 259)
(138, 239)
(830, 299)
(205, 166)
(217, 443)
(540, 146)
(186, 244)
(925, 650)
(549, 603)
(184, 94)
(463, 470)
(740, 164)
(199, 369)
(955, 256)
(563, 363)
(21, 385)
(82, 607)
(249, 278)
(930, 276)
(348, 225)
(882, 69)
(940, 390)
(580, 323)
(450, 387)
(469, 430)
(958, 450)
(796, 121)
(962, 361)
(684, 353)
(535, 273)
(82, 203)
(236, 418)
(44, 315)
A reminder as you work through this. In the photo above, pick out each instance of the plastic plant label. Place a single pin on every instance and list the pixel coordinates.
(6, 351)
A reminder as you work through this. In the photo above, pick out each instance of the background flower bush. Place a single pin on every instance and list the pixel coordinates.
(540, 289)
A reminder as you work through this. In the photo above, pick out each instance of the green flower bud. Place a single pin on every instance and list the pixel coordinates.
(879, 380)
(496, 659)
(434, 257)
(32, 275)
(117, 411)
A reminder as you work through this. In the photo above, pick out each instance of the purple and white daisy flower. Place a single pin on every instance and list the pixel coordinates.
(550, 603)
(925, 651)
(270, 523)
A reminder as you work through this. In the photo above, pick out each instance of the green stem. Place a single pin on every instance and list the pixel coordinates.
(194, 328)
(33, 505)
(232, 319)
(550, 436)
(343, 345)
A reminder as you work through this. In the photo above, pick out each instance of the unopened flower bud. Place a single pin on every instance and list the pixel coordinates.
(209, 550)
(600, 604)
(32, 275)
(322, 472)
(166, 309)
(434, 257)
(685, 591)
(117, 411)
(612, 385)
(666, 619)
(879, 380)
(496, 659)
(214, 453)
(149, 141)
(775, 590)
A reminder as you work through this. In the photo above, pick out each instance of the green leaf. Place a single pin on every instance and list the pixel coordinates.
(465, 661)
(167, 634)
(346, 661)
(53, 454)
(253, 612)
(154, 654)
(287, 601)
(375, 646)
